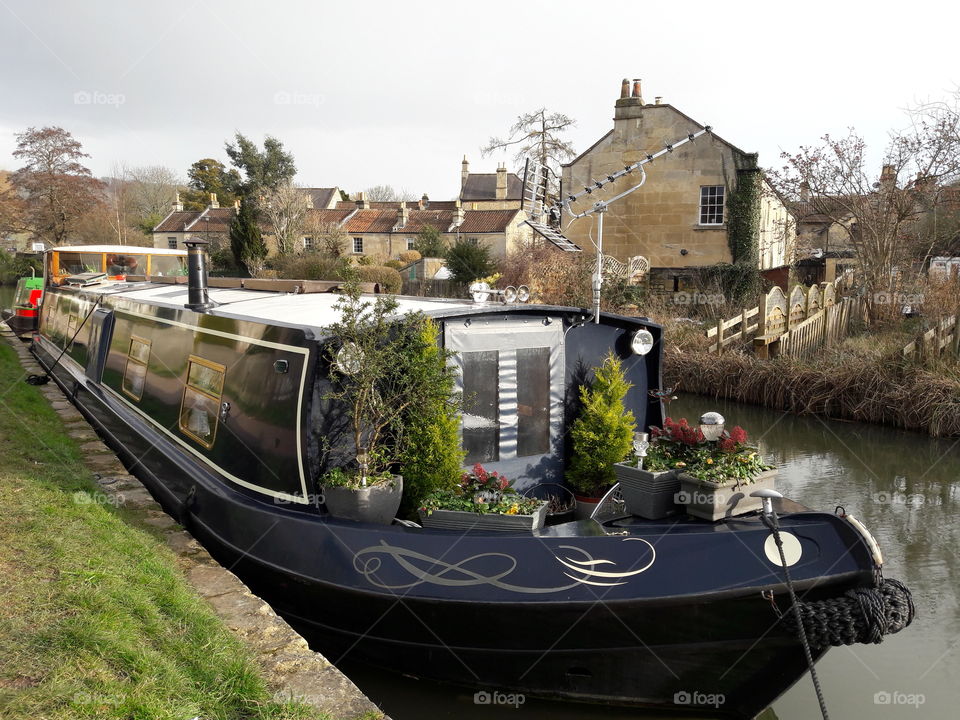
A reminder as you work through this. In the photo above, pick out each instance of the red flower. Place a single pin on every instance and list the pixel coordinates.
(738, 435)
(727, 444)
(503, 483)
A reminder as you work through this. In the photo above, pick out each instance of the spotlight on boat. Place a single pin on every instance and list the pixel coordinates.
(349, 359)
(523, 293)
(479, 291)
(711, 425)
(509, 294)
(642, 342)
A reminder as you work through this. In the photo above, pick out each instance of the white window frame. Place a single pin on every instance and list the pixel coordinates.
(308, 243)
(172, 243)
(358, 246)
(709, 195)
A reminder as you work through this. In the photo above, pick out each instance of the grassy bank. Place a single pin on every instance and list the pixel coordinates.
(860, 380)
(96, 621)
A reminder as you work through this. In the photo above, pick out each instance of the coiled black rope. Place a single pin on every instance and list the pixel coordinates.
(860, 615)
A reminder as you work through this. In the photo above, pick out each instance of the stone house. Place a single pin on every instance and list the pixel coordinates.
(501, 190)
(683, 217)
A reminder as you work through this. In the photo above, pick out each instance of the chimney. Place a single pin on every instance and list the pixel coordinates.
(502, 182)
(888, 178)
(213, 200)
(424, 202)
(464, 172)
(362, 202)
(628, 105)
(177, 205)
(198, 299)
(657, 99)
(624, 89)
(805, 191)
(403, 215)
(458, 214)
(636, 90)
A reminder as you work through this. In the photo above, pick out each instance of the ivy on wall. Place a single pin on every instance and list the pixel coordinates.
(743, 215)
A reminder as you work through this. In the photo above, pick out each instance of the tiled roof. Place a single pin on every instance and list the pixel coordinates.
(419, 219)
(395, 205)
(371, 221)
(329, 216)
(219, 222)
(483, 186)
(321, 197)
(487, 221)
(177, 221)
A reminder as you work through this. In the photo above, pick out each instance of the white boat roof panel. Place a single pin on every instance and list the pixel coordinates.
(118, 249)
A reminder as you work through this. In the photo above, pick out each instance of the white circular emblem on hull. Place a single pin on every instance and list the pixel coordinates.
(791, 549)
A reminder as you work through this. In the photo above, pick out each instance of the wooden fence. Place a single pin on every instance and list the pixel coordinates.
(776, 313)
(822, 329)
(943, 337)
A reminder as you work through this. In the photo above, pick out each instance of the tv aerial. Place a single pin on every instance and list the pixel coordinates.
(544, 203)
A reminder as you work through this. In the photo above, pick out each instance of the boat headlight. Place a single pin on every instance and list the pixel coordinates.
(523, 293)
(642, 342)
(509, 294)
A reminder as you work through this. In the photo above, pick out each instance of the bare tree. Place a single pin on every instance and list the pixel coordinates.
(387, 193)
(538, 134)
(329, 239)
(153, 189)
(285, 211)
(878, 211)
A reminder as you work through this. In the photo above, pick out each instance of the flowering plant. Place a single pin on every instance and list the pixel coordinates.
(674, 446)
(482, 492)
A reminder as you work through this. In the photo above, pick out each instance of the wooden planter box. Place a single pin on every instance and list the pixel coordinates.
(648, 494)
(465, 520)
(715, 502)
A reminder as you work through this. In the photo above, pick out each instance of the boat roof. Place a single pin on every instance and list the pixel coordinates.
(315, 311)
(119, 249)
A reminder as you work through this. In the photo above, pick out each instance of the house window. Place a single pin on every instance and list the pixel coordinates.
(200, 406)
(473, 241)
(358, 244)
(135, 373)
(172, 243)
(308, 243)
(410, 243)
(711, 205)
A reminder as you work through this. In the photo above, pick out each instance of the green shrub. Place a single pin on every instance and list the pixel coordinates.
(14, 267)
(307, 267)
(430, 243)
(395, 264)
(408, 256)
(432, 458)
(469, 260)
(388, 278)
(602, 434)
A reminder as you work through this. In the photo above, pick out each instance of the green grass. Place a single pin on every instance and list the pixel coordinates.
(96, 620)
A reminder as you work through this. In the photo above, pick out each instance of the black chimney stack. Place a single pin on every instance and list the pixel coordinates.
(198, 299)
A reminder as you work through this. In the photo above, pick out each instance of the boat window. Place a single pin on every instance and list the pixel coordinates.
(135, 373)
(168, 265)
(481, 406)
(533, 401)
(199, 410)
(73, 263)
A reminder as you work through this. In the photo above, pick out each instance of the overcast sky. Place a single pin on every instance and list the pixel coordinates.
(396, 93)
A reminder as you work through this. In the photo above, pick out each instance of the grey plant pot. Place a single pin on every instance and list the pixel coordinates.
(648, 494)
(712, 502)
(373, 504)
(464, 520)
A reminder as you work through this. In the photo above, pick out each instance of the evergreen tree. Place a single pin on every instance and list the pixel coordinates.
(603, 432)
(430, 243)
(431, 458)
(246, 243)
(469, 260)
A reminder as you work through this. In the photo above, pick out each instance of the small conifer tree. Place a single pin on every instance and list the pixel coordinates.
(603, 432)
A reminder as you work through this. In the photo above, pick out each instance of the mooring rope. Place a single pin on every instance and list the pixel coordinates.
(45, 378)
(771, 521)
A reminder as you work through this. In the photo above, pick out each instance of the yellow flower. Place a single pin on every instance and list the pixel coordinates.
(514, 509)
(709, 461)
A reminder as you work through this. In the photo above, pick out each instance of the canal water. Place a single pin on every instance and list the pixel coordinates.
(904, 486)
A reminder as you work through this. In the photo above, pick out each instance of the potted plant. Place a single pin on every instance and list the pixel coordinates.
(718, 484)
(388, 374)
(601, 435)
(649, 482)
(483, 501)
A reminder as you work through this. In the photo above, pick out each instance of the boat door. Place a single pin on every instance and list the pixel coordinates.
(101, 330)
(511, 376)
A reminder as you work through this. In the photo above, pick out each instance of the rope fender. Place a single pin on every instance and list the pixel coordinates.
(860, 615)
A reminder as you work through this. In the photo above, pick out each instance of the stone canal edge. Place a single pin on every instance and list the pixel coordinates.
(292, 670)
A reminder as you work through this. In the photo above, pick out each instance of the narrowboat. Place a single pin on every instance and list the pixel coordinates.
(116, 262)
(212, 392)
